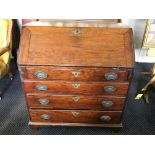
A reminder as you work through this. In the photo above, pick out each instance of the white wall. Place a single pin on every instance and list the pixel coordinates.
(138, 26)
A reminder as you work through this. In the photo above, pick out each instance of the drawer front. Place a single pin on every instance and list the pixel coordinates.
(72, 116)
(75, 74)
(59, 87)
(75, 102)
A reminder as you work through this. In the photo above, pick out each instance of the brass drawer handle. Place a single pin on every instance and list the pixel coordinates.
(45, 116)
(105, 118)
(41, 75)
(43, 101)
(75, 114)
(76, 98)
(41, 87)
(75, 74)
(110, 89)
(76, 31)
(76, 85)
(107, 103)
(110, 76)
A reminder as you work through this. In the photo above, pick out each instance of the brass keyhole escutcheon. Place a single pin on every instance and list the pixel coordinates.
(76, 32)
(76, 98)
(75, 74)
(76, 85)
(75, 114)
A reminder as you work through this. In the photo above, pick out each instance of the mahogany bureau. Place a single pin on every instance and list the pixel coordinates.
(76, 76)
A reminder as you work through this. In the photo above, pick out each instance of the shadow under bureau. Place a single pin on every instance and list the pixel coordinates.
(76, 76)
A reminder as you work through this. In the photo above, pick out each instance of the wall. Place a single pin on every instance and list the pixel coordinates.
(138, 26)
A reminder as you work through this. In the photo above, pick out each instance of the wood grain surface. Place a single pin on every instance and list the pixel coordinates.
(75, 102)
(66, 73)
(82, 116)
(75, 60)
(86, 88)
(71, 46)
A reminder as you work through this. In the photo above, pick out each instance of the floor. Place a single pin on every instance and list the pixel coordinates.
(138, 117)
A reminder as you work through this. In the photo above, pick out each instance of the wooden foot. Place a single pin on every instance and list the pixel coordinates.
(35, 127)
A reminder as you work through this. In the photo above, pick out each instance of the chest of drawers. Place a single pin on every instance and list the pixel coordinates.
(76, 76)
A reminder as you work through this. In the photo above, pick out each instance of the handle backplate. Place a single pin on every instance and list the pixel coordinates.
(43, 101)
(41, 87)
(110, 76)
(41, 75)
(110, 89)
(45, 116)
(107, 103)
(105, 118)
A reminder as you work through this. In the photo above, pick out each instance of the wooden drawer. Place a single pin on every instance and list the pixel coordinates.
(75, 102)
(75, 74)
(61, 87)
(72, 116)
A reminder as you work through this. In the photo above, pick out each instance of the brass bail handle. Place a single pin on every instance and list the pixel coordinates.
(111, 76)
(105, 118)
(41, 75)
(45, 116)
(42, 87)
(110, 89)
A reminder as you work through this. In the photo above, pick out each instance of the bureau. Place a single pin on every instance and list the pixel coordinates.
(76, 75)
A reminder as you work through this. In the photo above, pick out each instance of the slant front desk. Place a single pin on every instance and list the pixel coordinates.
(76, 75)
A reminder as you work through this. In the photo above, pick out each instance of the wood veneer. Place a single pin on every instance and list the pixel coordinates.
(76, 99)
